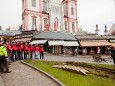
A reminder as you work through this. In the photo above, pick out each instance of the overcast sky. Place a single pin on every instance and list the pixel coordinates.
(90, 13)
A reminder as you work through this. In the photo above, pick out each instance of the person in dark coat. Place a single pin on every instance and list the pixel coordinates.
(113, 54)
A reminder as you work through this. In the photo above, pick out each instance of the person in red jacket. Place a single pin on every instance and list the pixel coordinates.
(36, 52)
(41, 50)
(26, 51)
(9, 49)
(21, 47)
(14, 51)
(31, 50)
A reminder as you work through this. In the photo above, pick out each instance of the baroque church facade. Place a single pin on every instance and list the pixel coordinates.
(50, 15)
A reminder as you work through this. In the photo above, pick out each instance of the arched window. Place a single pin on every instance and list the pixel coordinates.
(73, 26)
(72, 11)
(34, 22)
(65, 25)
(33, 3)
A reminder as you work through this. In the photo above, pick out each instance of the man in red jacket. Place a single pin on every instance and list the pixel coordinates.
(26, 51)
(21, 47)
(31, 50)
(41, 50)
(36, 51)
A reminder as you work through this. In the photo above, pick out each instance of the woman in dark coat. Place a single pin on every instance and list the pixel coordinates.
(113, 53)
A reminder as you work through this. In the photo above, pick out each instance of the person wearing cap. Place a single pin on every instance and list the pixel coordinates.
(4, 57)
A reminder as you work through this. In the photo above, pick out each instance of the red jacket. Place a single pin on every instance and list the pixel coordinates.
(14, 47)
(26, 48)
(36, 48)
(9, 47)
(21, 47)
(31, 48)
(41, 49)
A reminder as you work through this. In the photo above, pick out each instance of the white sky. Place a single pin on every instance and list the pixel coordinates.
(10, 13)
(90, 13)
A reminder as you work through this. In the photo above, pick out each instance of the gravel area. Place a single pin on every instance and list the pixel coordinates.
(23, 75)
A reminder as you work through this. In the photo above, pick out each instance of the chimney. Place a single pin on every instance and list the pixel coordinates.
(97, 30)
(106, 31)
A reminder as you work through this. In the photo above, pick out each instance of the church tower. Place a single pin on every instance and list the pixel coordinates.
(70, 15)
(31, 12)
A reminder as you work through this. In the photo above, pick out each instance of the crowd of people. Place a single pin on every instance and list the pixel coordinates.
(20, 51)
(12, 51)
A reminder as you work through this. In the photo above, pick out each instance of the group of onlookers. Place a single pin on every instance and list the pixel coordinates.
(12, 51)
(20, 51)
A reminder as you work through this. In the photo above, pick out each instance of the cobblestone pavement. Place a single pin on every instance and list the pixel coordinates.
(78, 58)
(23, 75)
(1, 81)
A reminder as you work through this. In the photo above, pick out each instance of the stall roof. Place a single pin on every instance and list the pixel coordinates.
(9, 33)
(71, 43)
(23, 40)
(38, 42)
(94, 44)
(54, 35)
(54, 43)
(95, 37)
(110, 37)
(27, 32)
(64, 43)
(113, 44)
(88, 37)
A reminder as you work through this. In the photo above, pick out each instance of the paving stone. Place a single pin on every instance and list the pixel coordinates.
(1, 81)
(23, 75)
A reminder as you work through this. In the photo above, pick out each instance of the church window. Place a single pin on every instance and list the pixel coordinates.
(73, 26)
(72, 11)
(33, 3)
(33, 21)
(65, 25)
